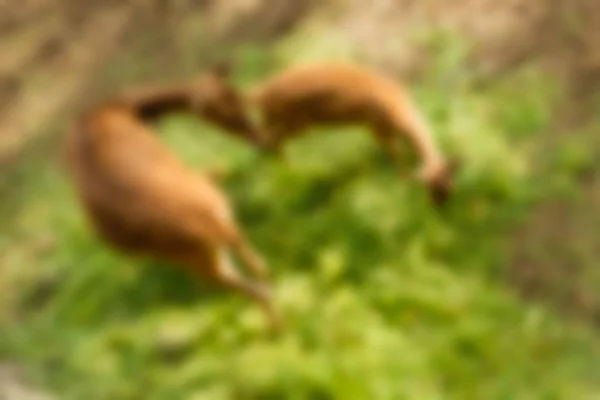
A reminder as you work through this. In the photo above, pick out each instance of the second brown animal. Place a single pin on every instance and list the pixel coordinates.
(287, 104)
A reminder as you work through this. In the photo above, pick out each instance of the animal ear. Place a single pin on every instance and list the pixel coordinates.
(222, 69)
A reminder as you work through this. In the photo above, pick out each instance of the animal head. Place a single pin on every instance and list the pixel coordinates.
(217, 100)
(439, 180)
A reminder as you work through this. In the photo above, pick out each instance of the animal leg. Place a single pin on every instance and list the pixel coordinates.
(275, 134)
(232, 238)
(250, 257)
(224, 273)
(274, 148)
(393, 147)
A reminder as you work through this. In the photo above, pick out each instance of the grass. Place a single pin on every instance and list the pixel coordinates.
(383, 296)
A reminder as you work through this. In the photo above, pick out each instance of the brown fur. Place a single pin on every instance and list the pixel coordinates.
(335, 93)
(210, 96)
(143, 200)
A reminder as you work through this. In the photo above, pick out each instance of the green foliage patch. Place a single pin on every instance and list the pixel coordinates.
(384, 297)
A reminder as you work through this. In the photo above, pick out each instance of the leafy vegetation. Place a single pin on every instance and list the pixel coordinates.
(384, 297)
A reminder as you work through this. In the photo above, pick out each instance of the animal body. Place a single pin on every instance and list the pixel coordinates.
(142, 200)
(210, 96)
(287, 104)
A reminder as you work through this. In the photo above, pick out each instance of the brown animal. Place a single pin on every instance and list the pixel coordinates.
(144, 201)
(289, 103)
(210, 96)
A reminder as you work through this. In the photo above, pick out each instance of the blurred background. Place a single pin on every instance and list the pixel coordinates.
(497, 297)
